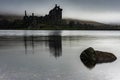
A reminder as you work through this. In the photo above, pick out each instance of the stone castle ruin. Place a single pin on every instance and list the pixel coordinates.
(54, 17)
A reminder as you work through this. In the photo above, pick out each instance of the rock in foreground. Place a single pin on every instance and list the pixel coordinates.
(90, 57)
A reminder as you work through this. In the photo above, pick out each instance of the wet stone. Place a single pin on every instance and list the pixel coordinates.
(91, 57)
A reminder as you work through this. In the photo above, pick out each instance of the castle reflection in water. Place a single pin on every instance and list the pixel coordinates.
(55, 45)
(54, 42)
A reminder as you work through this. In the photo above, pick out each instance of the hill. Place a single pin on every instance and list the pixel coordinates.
(84, 22)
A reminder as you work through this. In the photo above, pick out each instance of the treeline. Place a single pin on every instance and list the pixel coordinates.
(16, 24)
(64, 25)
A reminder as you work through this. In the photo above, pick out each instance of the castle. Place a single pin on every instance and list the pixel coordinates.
(54, 17)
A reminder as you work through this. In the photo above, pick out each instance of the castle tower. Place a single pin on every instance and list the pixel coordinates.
(25, 13)
(55, 5)
(33, 14)
(26, 19)
(55, 15)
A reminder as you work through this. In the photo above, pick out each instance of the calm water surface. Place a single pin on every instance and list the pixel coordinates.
(54, 55)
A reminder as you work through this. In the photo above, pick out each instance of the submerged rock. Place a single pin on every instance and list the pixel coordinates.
(104, 57)
(90, 57)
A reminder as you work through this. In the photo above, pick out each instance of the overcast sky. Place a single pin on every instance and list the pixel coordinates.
(107, 11)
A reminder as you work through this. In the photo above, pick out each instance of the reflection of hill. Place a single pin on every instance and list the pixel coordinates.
(55, 45)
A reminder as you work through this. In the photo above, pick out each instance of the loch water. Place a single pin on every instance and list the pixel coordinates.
(55, 55)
